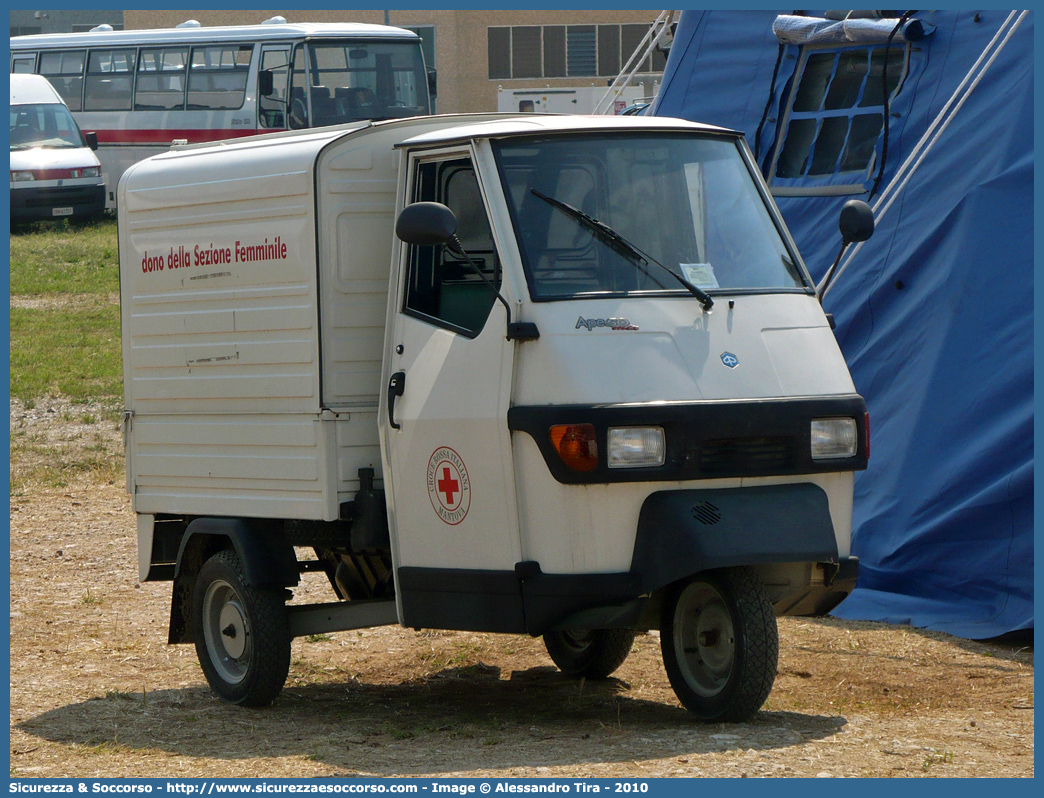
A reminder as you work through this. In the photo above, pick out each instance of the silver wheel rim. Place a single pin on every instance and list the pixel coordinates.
(226, 631)
(704, 639)
(577, 641)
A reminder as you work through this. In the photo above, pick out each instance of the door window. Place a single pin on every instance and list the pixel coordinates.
(442, 287)
(272, 109)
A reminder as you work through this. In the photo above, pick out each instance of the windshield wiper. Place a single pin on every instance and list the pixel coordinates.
(622, 245)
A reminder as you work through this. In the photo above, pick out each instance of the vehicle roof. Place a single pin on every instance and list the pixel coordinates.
(286, 146)
(530, 124)
(32, 89)
(226, 33)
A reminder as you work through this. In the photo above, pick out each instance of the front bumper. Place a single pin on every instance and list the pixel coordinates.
(39, 203)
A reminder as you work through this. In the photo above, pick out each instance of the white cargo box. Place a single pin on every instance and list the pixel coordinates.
(252, 330)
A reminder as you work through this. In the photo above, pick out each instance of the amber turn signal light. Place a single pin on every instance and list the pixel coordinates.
(576, 445)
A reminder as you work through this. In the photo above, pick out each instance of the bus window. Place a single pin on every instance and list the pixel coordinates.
(23, 63)
(161, 79)
(271, 111)
(64, 69)
(218, 76)
(108, 83)
(366, 80)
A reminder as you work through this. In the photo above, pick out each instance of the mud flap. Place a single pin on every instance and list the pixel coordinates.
(683, 532)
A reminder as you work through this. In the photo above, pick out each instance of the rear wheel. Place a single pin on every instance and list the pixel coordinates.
(242, 633)
(594, 653)
(720, 644)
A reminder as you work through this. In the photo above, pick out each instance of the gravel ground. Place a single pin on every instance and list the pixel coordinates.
(95, 690)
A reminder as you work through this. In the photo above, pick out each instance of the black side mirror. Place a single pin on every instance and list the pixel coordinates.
(425, 224)
(92, 139)
(265, 83)
(432, 89)
(857, 221)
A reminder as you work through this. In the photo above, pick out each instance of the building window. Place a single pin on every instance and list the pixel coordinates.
(526, 52)
(836, 112)
(499, 43)
(609, 49)
(558, 51)
(581, 50)
(554, 51)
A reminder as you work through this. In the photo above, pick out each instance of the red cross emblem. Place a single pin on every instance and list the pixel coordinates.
(449, 487)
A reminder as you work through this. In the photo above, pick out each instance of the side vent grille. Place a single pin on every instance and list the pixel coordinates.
(706, 513)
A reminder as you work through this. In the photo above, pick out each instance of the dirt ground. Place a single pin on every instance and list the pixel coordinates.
(97, 692)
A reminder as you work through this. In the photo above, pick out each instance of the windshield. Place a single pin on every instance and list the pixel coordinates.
(348, 81)
(687, 201)
(48, 125)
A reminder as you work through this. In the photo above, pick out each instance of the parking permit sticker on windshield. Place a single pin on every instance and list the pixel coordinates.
(700, 275)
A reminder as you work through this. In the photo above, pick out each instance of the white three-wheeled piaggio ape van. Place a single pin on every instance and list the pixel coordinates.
(548, 375)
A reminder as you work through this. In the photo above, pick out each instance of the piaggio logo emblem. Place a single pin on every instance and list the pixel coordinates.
(729, 359)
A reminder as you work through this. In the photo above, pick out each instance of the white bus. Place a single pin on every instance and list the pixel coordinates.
(143, 90)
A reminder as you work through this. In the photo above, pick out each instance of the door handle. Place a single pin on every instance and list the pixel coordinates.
(396, 386)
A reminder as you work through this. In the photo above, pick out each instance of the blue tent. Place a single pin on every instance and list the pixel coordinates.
(935, 312)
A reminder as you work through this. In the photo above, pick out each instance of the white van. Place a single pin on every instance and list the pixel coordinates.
(54, 171)
(549, 375)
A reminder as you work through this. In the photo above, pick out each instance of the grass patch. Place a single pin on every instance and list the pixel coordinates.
(90, 599)
(59, 258)
(37, 461)
(61, 352)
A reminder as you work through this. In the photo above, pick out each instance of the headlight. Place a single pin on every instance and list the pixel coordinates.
(636, 447)
(91, 171)
(833, 438)
(21, 175)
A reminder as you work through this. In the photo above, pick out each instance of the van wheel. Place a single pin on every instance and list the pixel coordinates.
(720, 644)
(242, 633)
(594, 653)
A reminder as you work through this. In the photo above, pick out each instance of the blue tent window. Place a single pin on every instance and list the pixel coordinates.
(837, 112)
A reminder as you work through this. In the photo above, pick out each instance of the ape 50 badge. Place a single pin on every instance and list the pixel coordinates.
(449, 487)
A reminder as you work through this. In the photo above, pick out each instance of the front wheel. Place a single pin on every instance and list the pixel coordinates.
(720, 644)
(242, 633)
(594, 653)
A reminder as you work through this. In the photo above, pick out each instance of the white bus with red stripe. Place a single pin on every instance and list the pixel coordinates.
(143, 90)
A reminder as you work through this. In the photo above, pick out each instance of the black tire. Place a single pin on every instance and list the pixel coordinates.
(242, 633)
(720, 644)
(593, 653)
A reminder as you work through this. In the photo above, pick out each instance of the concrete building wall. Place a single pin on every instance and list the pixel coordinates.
(461, 49)
(64, 20)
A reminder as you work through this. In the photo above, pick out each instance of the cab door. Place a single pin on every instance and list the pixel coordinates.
(445, 441)
(272, 110)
